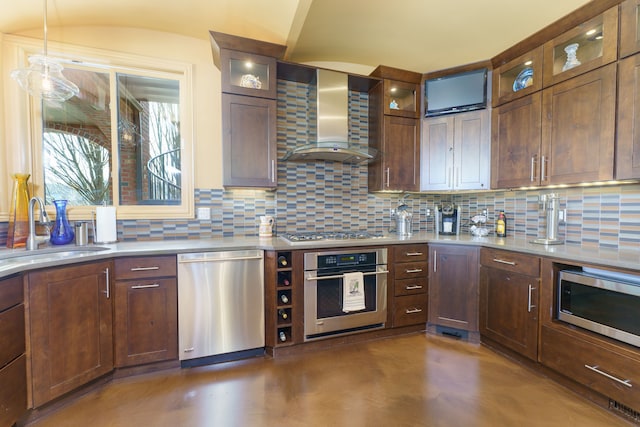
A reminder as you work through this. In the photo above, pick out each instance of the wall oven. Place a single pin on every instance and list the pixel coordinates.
(324, 301)
(601, 301)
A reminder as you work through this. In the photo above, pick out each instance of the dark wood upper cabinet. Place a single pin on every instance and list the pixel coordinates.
(578, 128)
(629, 28)
(628, 133)
(401, 99)
(515, 143)
(249, 88)
(586, 47)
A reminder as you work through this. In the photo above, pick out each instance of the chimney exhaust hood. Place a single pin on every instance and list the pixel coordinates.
(332, 124)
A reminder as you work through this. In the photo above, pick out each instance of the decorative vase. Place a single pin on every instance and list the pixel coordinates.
(19, 212)
(62, 232)
(572, 59)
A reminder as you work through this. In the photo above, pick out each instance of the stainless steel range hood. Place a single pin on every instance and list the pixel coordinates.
(333, 125)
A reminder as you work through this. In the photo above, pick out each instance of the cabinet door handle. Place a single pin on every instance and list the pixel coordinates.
(153, 285)
(529, 305)
(413, 253)
(533, 168)
(543, 169)
(412, 287)
(457, 177)
(501, 261)
(144, 268)
(413, 270)
(413, 310)
(611, 377)
(388, 173)
(449, 177)
(273, 171)
(435, 261)
(106, 274)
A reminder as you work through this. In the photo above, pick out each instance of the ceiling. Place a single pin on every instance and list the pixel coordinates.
(417, 35)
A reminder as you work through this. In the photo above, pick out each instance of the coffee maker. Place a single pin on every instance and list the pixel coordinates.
(447, 219)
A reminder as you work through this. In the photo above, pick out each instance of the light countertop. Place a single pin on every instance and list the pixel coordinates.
(18, 260)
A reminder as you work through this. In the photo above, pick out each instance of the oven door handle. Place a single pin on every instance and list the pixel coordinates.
(340, 276)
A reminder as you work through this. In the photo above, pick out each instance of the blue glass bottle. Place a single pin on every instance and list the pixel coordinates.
(62, 232)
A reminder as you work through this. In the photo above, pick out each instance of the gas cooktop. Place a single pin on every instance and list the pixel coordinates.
(314, 236)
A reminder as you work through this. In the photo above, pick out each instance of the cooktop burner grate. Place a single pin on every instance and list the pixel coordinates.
(325, 235)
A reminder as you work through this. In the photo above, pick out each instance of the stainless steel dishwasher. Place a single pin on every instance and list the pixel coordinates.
(220, 306)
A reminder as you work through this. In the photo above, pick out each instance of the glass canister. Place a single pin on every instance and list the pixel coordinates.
(19, 212)
(62, 232)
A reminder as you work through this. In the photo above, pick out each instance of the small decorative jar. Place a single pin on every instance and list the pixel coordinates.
(62, 232)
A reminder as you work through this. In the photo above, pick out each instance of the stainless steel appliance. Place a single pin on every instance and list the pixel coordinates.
(323, 292)
(447, 219)
(551, 205)
(602, 302)
(220, 306)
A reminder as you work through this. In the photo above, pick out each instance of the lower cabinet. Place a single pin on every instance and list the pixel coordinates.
(509, 293)
(13, 370)
(453, 287)
(410, 267)
(70, 328)
(146, 310)
(609, 369)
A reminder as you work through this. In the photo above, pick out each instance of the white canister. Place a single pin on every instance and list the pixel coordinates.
(265, 227)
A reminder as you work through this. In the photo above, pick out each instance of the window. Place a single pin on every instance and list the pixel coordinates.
(125, 140)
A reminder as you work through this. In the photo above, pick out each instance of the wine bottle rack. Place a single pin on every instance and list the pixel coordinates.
(284, 311)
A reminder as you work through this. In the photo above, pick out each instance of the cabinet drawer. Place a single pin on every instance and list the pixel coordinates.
(141, 267)
(413, 286)
(10, 292)
(598, 367)
(409, 310)
(409, 253)
(510, 261)
(13, 393)
(410, 270)
(12, 333)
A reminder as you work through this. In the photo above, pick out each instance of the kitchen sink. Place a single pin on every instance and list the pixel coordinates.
(26, 257)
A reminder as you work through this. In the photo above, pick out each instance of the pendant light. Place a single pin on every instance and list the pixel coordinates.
(43, 79)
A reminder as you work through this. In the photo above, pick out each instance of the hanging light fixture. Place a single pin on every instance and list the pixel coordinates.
(44, 79)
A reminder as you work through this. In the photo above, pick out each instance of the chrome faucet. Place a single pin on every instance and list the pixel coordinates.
(34, 240)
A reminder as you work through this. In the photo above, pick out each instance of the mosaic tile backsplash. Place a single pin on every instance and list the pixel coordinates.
(333, 196)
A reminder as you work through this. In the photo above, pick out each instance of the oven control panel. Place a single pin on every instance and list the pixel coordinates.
(346, 260)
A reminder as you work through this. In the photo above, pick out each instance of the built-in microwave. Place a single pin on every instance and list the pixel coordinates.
(601, 301)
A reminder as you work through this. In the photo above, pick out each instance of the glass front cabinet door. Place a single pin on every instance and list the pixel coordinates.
(401, 99)
(586, 47)
(629, 28)
(518, 77)
(248, 74)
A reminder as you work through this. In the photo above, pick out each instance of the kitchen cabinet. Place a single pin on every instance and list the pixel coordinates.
(453, 288)
(283, 299)
(394, 132)
(517, 78)
(248, 75)
(516, 130)
(629, 28)
(70, 328)
(456, 152)
(594, 43)
(13, 368)
(410, 278)
(509, 293)
(146, 310)
(578, 128)
(628, 131)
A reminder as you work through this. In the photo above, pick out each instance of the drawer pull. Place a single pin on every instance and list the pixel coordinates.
(413, 253)
(145, 268)
(154, 285)
(412, 287)
(501, 261)
(611, 377)
(414, 270)
(413, 310)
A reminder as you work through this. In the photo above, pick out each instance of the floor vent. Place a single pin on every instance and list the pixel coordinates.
(452, 333)
(624, 410)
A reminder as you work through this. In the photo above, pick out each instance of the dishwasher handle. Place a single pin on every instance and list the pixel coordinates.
(186, 261)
